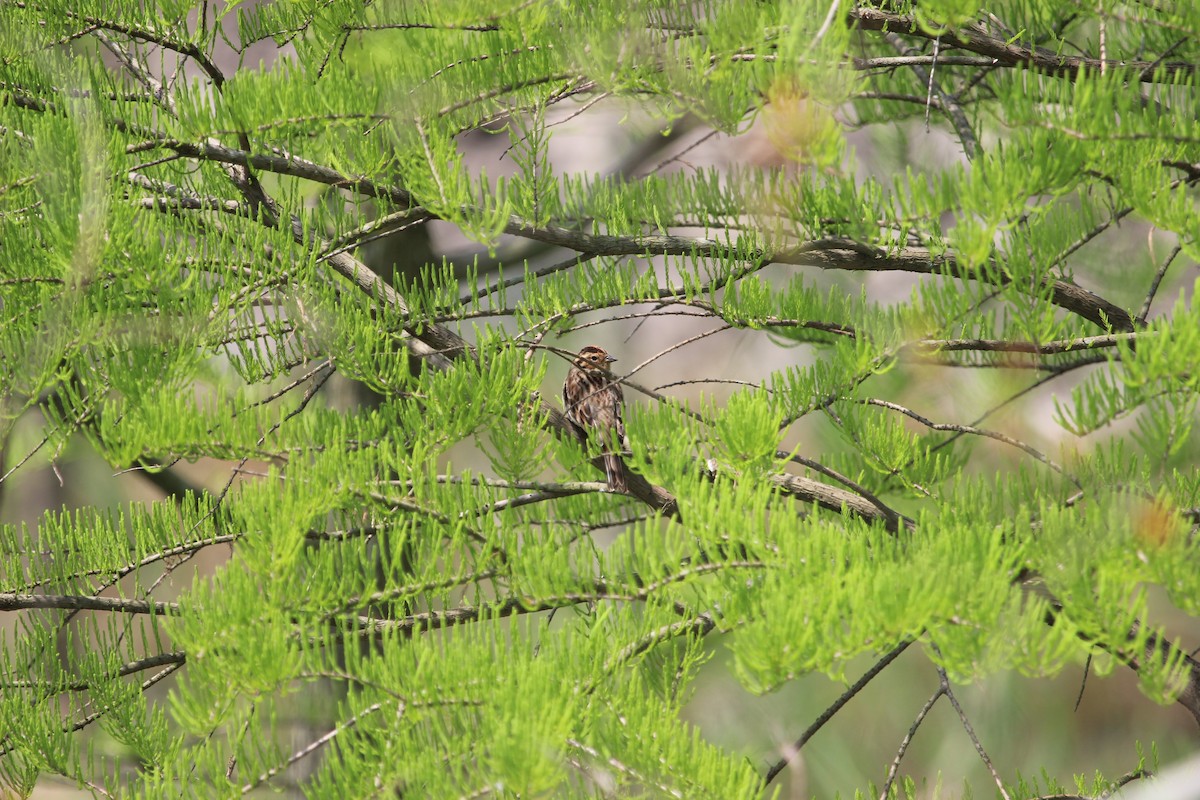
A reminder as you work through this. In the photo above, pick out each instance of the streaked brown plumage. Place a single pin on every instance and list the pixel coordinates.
(593, 401)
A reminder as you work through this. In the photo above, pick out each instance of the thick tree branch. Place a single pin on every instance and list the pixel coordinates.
(1015, 346)
(18, 602)
(976, 40)
(825, 254)
(1065, 295)
(177, 658)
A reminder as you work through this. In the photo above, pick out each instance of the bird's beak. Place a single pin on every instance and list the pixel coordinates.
(609, 359)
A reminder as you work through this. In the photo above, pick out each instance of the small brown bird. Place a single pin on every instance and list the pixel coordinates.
(593, 400)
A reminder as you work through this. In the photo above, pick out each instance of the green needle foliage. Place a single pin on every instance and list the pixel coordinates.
(404, 538)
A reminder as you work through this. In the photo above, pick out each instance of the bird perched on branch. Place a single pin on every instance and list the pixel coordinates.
(593, 402)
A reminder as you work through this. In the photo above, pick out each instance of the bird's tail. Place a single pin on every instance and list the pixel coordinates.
(614, 469)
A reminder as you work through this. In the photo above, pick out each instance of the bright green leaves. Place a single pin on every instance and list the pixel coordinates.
(586, 287)
(1150, 374)
(408, 553)
(432, 169)
(57, 215)
(797, 109)
(418, 697)
(516, 444)
(941, 16)
(676, 757)
(320, 120)
(495, 387)
(746, 431)
(991, 199)
(230, 628)
(1098, 568)
(833, 594)
(534, 189)
(91, 542)
(83, 552)
(884, 443)
(517, 448)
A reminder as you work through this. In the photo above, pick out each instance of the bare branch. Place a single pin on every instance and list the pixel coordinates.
(966, 723)
(827, 714)
(73, 602)
(976, 40)
(907, 740)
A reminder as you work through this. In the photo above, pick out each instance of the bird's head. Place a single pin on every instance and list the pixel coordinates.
(593, 359)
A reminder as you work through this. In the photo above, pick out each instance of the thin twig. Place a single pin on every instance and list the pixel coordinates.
(907, 740)
(1087, 667)
(318, 743)
(828, 713)
(966, 723)
(574, 261)
(1154, 284)
(969, 429)
(949, 102)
